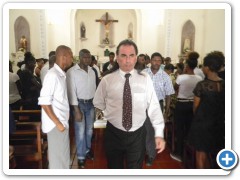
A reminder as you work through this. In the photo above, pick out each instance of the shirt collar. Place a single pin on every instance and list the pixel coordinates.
(122, 73)
(158, 72)
(77, 67)
(59, 70)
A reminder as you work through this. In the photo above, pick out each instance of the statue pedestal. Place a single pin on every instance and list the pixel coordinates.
(183, 55)
(106, 45)
(83, 39)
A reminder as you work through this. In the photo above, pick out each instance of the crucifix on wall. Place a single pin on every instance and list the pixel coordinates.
(107, 24)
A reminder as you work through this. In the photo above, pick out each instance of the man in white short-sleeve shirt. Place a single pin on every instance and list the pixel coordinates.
(55, 110)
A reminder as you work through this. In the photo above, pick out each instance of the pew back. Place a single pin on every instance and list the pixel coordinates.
(29, 145)
(27, 115)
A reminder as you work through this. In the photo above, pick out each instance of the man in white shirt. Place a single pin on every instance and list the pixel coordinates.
(55, 110)
(121, 143)
(46, 67)
(163, 87)
(81, 84)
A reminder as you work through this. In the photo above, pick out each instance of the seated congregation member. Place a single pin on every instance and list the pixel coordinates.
(163, 87)
(125, 95)
(30, 85)
(55, 110)
(207, 132)
(15, 89)
(183, 114)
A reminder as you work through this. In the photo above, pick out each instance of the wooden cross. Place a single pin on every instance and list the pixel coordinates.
(107, 21)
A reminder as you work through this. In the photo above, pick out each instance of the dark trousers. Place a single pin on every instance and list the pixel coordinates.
(150, 137)
(124, 147)
(183, 119)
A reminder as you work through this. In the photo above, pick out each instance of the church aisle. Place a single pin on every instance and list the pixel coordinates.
(162, 161)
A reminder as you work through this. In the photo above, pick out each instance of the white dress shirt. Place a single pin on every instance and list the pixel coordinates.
(80, 84)
(44, 71)
(186, 84)
(54, 92)
(13, 90)
(199, 72)
(109, 98)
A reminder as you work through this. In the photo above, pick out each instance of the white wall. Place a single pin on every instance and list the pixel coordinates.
(152, 31)
(58, 28)
(215, 31)
(63, 27)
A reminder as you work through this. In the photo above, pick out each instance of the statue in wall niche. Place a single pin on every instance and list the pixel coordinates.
(130, 31)
(83, 31)
(186, 46)
(130, 36)
(23, 44)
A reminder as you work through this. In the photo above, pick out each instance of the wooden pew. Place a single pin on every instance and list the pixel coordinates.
(27, 115)
(28, 135)
(29, 145)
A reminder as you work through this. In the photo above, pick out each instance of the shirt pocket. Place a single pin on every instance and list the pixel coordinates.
(139, 101)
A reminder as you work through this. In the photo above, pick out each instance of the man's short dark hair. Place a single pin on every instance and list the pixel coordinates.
(112, 53)
(156, 54)
(82, 52)
(169, 67)
(51, 53)
(127, 42)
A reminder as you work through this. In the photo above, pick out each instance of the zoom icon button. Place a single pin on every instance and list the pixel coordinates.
(227, 159)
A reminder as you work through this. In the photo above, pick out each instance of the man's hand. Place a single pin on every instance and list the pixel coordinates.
(78, 116)
(99, 113)
(60, 126)
(160, 144)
